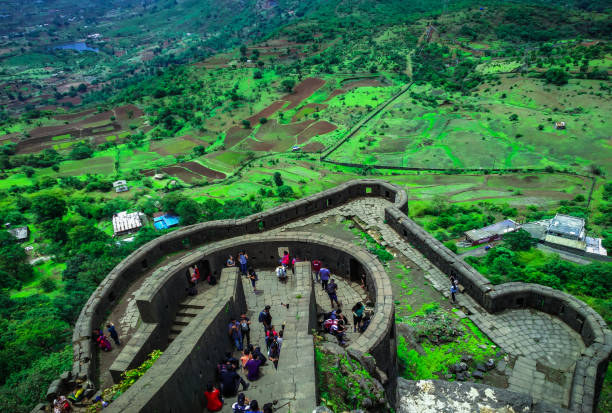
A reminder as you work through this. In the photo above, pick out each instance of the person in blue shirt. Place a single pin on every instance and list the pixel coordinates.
(242, 261)
(113, 333)
(324, 275)
(453, 291)
(235, 333)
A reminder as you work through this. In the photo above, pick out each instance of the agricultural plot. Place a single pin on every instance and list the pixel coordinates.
(70, 128)
(504, 125)
(300, 117)
(187, 172)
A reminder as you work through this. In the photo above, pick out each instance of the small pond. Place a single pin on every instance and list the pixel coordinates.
(78, 46)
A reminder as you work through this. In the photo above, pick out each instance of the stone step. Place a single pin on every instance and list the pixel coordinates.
(190, 306)
(171, 337)
(186, 314)
(182, 321)
(199, 299)
(176, 329)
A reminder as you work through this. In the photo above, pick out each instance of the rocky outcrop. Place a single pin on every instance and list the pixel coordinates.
(433, 396)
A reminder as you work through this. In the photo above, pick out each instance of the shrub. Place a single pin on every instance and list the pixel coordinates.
(451, 246)
(556, 76)
(48, 285)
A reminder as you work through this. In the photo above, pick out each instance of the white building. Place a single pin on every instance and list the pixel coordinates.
(124, 223)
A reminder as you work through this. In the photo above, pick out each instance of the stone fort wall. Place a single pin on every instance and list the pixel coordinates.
(590, 369)
(174, 383)
(159, 297)
(112, 287)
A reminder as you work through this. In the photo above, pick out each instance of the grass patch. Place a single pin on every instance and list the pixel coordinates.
(443, 340)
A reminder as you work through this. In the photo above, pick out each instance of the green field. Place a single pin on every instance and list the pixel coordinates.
(453, 136)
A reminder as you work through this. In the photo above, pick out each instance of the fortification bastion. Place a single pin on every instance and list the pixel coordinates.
(219, 237)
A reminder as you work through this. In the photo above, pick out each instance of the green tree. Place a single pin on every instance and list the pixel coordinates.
(189, 211)
(170, 201)
(451, 246)
(14, 266)
(48, 207)
(199, 150)
(285, 191)
(288, 85)
(48, 284)
(556, 76)
(81, 151)
(278, 179)
(28, 171)
(519, 240)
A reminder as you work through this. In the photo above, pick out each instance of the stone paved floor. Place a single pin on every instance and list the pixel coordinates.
(348, 294)
(282, 384)
(545, 348)
(546, 351)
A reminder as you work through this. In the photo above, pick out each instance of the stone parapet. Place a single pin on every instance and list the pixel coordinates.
(174, 382)
(591, 366)
(590, 370)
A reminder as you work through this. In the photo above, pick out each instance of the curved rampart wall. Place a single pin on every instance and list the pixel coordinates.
(126, 272)
(159, 297)
(590, 370)
(590, 367)
(176, 380)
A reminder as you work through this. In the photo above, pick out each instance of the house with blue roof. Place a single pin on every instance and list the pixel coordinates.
(164, 220)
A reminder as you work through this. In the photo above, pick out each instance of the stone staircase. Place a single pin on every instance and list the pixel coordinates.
(189, 308)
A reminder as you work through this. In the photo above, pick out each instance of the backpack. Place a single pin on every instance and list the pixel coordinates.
(244, 327)
(331, 288)
(262, 316)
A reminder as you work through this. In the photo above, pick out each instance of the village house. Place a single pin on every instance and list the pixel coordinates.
(126, 223)
(491, 233)
(21, 234)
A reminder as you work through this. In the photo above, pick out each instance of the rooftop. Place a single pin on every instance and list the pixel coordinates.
(567, 225)
(124, 222)
(165, 221)
(566, 242)
(499, 228)
(20, 233)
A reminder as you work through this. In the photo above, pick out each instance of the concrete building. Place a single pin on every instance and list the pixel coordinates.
(491, 233)
(21, 234)
(124, 223)
(567, 231)
(120, 186)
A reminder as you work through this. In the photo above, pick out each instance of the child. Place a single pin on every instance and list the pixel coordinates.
(253, 278)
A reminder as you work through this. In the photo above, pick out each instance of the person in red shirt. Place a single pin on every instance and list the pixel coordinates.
(214, 401)
(286, 261)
